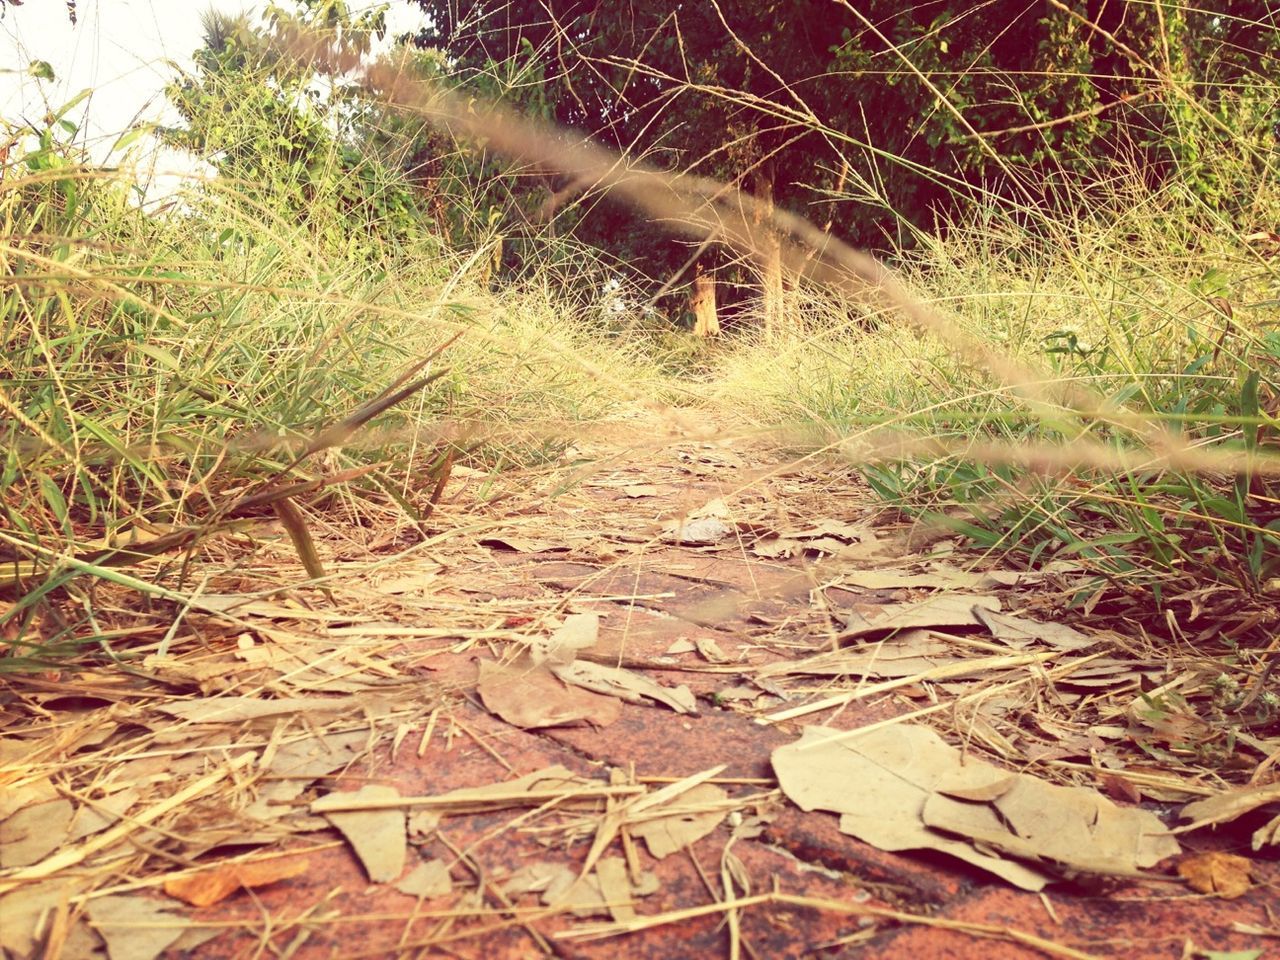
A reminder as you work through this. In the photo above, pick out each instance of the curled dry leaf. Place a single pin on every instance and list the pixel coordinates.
(904, 788)
(135, 928)
(212, 886)
(377, 836)
(664, 835)
(1227, 806)
(1223, 874)
(944, 610)
(529, 696)
(428, 879)
(625, 684)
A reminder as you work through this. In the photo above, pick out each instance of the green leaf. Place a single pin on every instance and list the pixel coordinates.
(41, 70)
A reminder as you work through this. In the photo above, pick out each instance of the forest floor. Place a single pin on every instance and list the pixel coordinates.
(571, 722)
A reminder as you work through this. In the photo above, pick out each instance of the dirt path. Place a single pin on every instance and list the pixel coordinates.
(372, 698)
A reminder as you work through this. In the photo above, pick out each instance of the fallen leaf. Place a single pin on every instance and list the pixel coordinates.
(135, 928)
(625, 684)
(580, 631)
(376, 836)
(96, 816)
(1019, 631)
(636, 490)
(666, 834)
(207, 887)
(34, 832)
(944, 610)
(1227, 806)
(695, 532)
(710, 650)
(1268, 835)
(428, 879)
(530, 697)
(904, 788)
(24, 913)
(1223, 874)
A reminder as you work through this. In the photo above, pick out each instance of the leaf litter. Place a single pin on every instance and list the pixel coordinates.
(265, 718)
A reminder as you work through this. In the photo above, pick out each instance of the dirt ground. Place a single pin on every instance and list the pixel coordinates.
(551, 728)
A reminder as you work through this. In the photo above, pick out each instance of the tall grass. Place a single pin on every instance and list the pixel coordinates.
(1152, 317)
(160, 372)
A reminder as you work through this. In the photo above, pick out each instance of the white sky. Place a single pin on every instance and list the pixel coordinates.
(118, 48)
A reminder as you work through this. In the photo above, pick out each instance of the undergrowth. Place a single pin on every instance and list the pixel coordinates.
(166, 375)
(1149, 317)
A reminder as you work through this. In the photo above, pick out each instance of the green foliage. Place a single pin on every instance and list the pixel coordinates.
(888, 120)
(288, 136)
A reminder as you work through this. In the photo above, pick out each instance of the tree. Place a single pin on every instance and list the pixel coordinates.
(879, 118)
(285, 139)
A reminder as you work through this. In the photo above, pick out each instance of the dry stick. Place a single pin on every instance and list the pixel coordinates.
(603, 930)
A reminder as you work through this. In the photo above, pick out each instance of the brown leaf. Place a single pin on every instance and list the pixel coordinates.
(1224, 874)
(665, 835)
(213, 886)
(626, 684)
(135, 928)
(1267, 835)
(943, 610)
(377, 836)
(34, 832)
(1229, 805)
(530, 696)
(428, 879)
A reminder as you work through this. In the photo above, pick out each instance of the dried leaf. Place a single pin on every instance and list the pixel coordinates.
(99, 815)
(1223, 874)
(1227, 806)
(1019, 632)
(636, 490)
(695, 532)
(135, 928)
(236, 709)
(944, 610)
(899, 789)
(580, 631)
(428, 879)
(667, 834)
(377, 836)
(530, 696)
(24, 913)
(1267, 835)
(626, 684)
(214, 885)
(34, 832)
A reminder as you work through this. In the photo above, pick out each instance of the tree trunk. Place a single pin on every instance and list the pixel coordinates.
(703, 304)
(768, 254)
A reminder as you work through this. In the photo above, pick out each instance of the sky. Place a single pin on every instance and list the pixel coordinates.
(119, 49)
